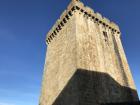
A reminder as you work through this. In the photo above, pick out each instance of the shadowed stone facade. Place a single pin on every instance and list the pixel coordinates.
(85, 61)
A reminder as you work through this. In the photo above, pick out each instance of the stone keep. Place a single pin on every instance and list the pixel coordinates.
(85, 61)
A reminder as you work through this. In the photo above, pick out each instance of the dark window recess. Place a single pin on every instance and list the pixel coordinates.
(105, 33)
(54, 32)
(89, 15)
(113, 30)
(67, 17)
(118, 32)
(96, 19)
(64, 20)
(70, 13)
(77, 8)
(105, 36)
(73, 8)
(51, 38)
(103, 24)
(100, 21)
(62, 24)
(93, 17)
(52, 35)
(107, 25)
(82, 10)
(47, 41)
(59, 27)
(86, 13)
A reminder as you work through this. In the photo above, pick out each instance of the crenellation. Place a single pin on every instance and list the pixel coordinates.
(59, 24)
(70, 5)
(62, 24)
(79, 4)
(106, 22)
(64, 20)
(63, 14)
(87, 11)
(73, 9)
(82, 10)
(115, 26)
(70, 13)
(99, 16)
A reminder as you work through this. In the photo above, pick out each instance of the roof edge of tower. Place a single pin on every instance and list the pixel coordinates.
(71, 9)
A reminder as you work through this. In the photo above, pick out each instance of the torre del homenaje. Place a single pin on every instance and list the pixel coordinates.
(85, 61)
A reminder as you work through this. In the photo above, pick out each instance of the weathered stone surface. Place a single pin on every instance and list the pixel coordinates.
(85, 62)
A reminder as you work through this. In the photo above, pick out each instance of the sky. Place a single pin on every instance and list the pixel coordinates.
(23, 28)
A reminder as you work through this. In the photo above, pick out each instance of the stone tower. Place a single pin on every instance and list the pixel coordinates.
(85, 61)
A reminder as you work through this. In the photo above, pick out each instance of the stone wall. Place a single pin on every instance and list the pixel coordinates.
(99, 49)
(60, 63)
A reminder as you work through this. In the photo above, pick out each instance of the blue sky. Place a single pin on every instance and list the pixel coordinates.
(23, 28)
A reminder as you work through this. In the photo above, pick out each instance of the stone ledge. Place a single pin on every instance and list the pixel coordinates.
(74, 6)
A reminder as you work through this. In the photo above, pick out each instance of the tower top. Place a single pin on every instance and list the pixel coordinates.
(73, 7)
(75, 0)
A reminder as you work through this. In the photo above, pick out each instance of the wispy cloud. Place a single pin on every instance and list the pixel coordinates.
(2, 103)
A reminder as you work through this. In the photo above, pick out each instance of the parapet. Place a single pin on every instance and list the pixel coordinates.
(74, 6)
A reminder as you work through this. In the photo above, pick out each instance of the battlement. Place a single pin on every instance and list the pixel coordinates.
(73, 7)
